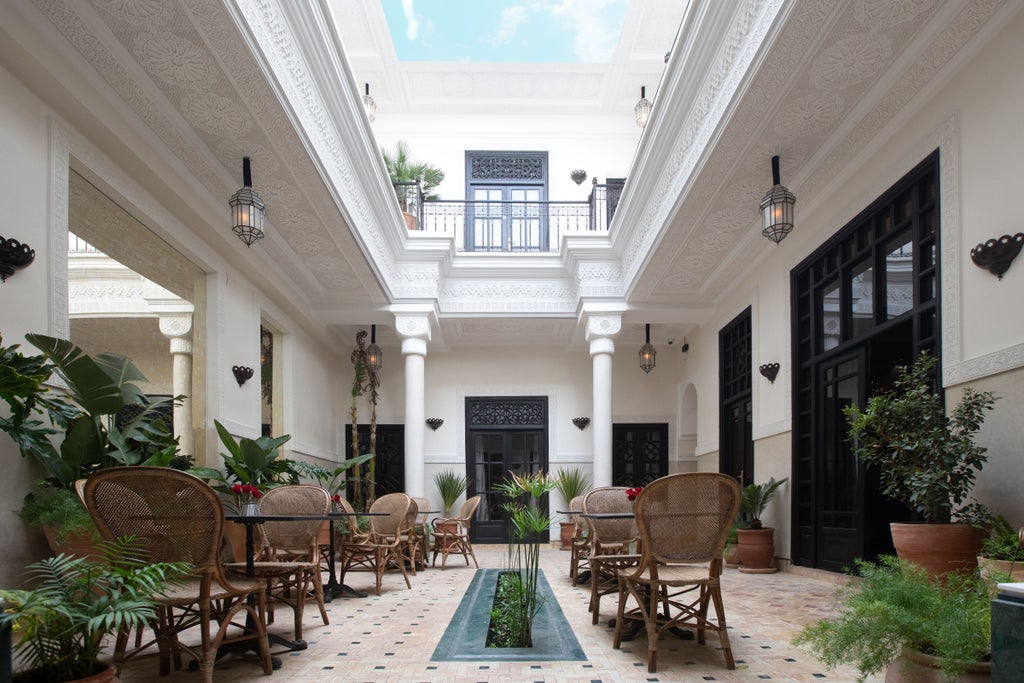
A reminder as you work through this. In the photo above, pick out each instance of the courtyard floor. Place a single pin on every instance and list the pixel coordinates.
(391, 638)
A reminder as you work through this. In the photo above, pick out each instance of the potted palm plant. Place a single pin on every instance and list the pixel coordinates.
(571, 483)
(100, 416)
(755, 541)
(896, 617)
(1002, 553)
(927, 460)
(450, 485)
(63, 621)
(406, 175)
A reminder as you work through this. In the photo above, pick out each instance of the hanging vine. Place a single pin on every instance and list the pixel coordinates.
(358, 385)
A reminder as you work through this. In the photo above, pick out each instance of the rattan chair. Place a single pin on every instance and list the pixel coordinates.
(611, 541)
(410, 540)
(181, 519)
(291, 559)
(579, 543)
(451, 534)
(383, 548)
(683, 521)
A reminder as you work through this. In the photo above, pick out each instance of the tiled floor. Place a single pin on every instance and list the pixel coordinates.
(391, 638)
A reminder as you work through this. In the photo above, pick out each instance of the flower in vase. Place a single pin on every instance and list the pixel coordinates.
(246, 493)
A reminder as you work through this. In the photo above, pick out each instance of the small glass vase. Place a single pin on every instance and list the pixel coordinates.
(251, 509)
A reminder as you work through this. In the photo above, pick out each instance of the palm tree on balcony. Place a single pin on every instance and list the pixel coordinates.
(405, 173)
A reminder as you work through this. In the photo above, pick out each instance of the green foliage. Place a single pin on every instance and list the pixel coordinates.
(1003, 542)
(898, 606)
(105, 419)
(249, 461)
(571, 483)
(925, 459)
(61, 509)
(332, 480)
(60, 623)
(401, 169)
(527, 524)
(756, 498)
(450, 485)
(507, 625)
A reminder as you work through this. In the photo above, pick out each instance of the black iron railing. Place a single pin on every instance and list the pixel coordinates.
(507, 226)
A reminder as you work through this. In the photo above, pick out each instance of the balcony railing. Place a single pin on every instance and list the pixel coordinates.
(507, 226)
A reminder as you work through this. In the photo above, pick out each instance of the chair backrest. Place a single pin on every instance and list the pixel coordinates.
(423, 510)
(353, 525)
(606, 499)
(686, 517)
(179, 515)
(297, 499)
(468, 511)
(410, 517)
(396, 506)
(579, 524)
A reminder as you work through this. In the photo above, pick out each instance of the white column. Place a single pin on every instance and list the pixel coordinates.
(415, 333)
(600, 330)
(178, 327)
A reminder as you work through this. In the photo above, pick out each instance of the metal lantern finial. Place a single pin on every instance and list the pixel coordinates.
(374, 356)
(247, 209)
(777, 208)
(369, 105)
(647, 352)
(642, 108)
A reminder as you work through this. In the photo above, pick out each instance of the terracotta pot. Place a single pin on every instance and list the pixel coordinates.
(917, 667)
(731, 556)
(105, 676)
(565, 534)
(449, 527)
(410, 220)
(938, 548)
(79, 544)
(987, 567)
(757, 550)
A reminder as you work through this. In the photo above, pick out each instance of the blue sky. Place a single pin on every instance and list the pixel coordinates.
(505, 30)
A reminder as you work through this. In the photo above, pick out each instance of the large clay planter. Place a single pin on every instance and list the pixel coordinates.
(105, 676)
(565, 534)
(916, 667)
(757, 550)
(410, 220)
(938, 548)
(79, 544)
(448, 527)
(731, 555)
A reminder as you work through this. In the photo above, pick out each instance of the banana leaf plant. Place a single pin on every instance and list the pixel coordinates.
(249, 461)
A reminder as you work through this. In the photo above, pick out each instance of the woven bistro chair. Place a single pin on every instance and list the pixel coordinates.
(611, 541)
(410, 540)
(290, 564)
(451, 534)
(579, 544)
(181, 519)
(422, 529)
(383, 547)
(683, 521)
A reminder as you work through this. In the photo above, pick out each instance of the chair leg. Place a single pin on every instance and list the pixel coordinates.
(651, 622)
(318, 590)
(723, 633)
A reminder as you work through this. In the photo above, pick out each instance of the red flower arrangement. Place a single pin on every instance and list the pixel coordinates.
(245, 492)
(634, 492)
(336, 498)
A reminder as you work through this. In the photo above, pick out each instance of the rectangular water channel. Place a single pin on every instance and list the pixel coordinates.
(465, 638)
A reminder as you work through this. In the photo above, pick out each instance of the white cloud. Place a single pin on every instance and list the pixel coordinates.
(412, 22)
(594, 34)
(508, 24)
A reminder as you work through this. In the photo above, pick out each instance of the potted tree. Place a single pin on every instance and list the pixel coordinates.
(755, 541)
(927, 460)
(100, 417)
(451, 486)
(406, 175)
(897, 617)
(1002, 553)
(571, 483)
(63, 621)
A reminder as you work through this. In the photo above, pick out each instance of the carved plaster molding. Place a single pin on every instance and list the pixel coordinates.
(603, 326)
(59, 171)
(413, 326)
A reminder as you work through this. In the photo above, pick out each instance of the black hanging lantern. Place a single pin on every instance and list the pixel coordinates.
(777, 208)
(647, 352)
(374, 356)
(247, 209)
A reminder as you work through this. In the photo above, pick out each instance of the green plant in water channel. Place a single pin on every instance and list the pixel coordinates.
(527, 524)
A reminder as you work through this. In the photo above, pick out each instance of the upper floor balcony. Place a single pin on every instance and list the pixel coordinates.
(513, 222)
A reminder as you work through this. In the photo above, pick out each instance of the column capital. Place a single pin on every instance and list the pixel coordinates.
(181, 345)
(175, 325)
(413, 326)
(603, 326)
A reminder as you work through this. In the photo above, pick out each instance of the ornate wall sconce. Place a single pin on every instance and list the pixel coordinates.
(769, 371)
(578, 176)
(995, 256)
(13, 257)
(242, 373)
(581, 422)
(434, 422)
